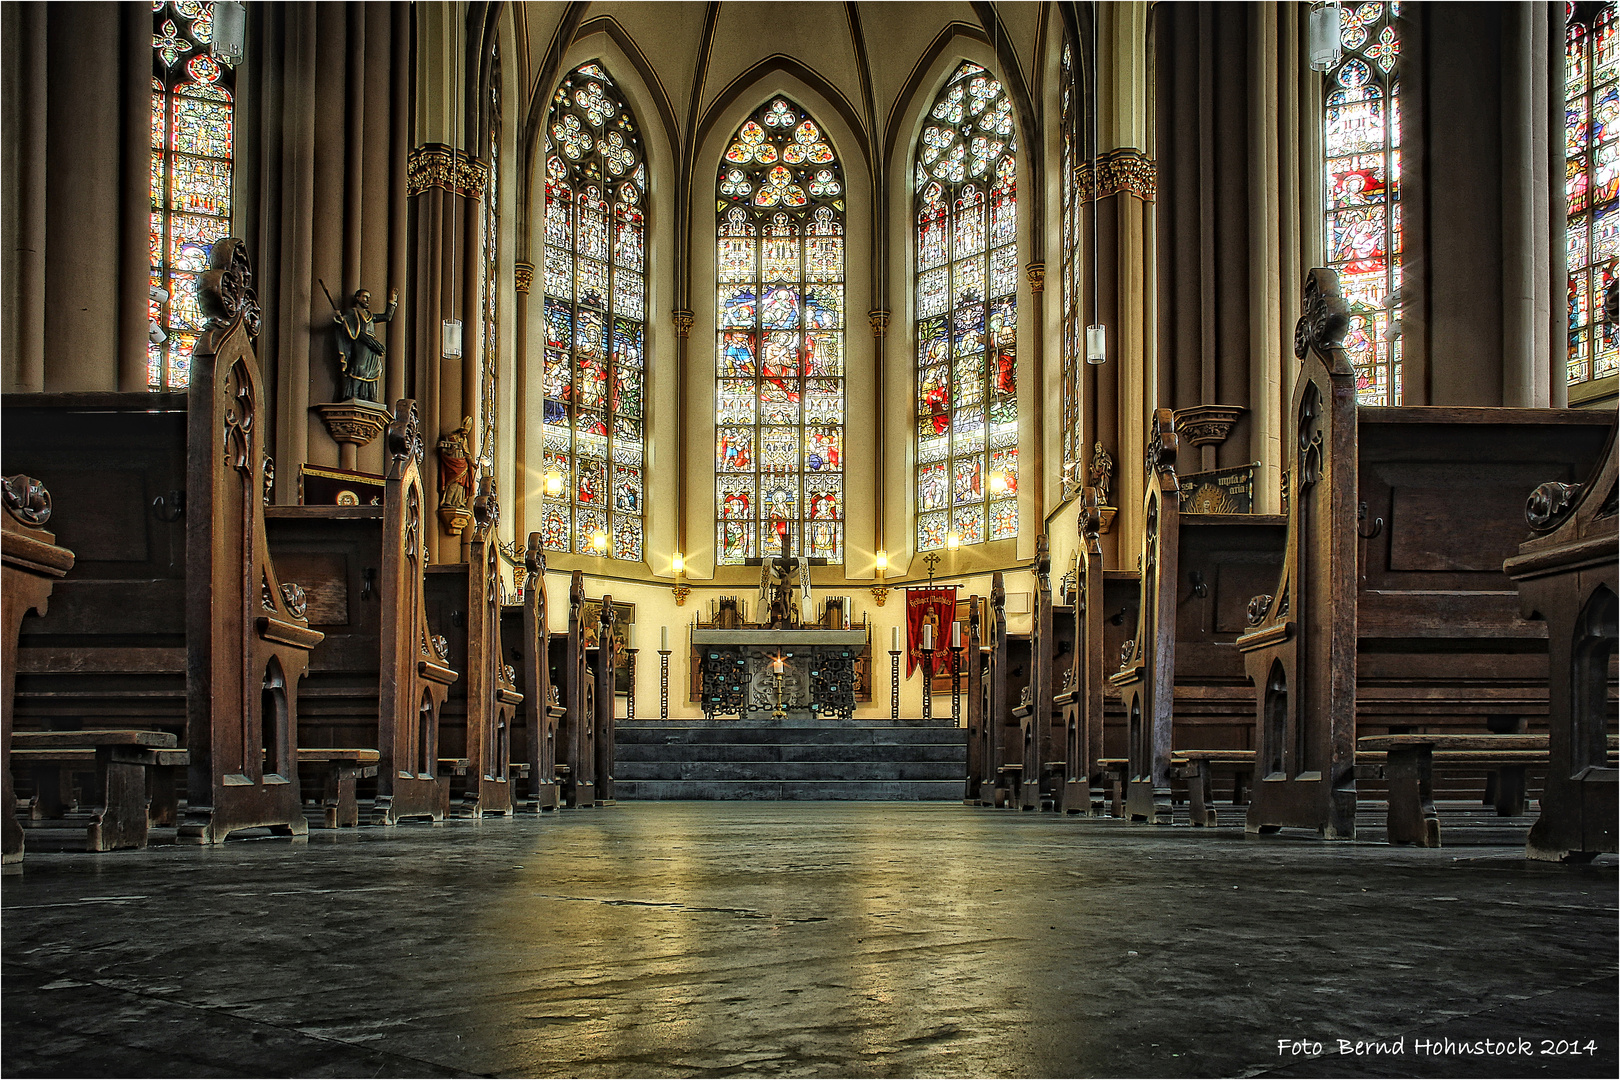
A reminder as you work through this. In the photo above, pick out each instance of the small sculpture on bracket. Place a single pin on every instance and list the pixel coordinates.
(1100, 475)
(360, 352)
(455, 478)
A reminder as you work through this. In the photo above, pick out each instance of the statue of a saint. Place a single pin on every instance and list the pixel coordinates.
(360, 353)
(1101, 473)
(455, 468)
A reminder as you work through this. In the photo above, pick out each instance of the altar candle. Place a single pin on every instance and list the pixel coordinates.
(956, 634)
(928, 637)
(894, 639)
(663, 639)
(776, 663)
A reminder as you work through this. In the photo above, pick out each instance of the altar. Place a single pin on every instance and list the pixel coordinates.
(739, 676)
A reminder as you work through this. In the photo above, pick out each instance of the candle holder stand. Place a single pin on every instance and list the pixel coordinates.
(663, 684)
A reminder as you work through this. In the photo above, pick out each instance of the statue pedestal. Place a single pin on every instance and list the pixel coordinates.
(353, 424)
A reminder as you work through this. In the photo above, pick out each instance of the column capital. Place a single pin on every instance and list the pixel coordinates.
(1037, 276)
(879, 320)
(683, 322)
(437, 165)
(523, 274)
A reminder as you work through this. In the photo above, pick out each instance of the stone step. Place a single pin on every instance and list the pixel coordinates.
(844, 790)
(627, 734)
(787, 770)
(717, 751)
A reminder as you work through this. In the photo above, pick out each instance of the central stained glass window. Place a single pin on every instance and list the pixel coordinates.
(596, 319)
(779, 395)
(967, 315)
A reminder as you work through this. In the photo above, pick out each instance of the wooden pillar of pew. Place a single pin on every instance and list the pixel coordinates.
(476, 729)
(32, 562)
(1081, 700)
(1568, 577)
(977, 751)
(1051, 637)
(605, 670)
(247, 640)
(1147, 685)
(540, 712)
(576, 747)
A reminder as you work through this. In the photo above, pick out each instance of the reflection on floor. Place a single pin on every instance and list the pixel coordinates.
(809, 939)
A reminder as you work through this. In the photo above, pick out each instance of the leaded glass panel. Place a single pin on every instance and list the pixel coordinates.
(780, 322)
(596, 315)
(1592, 188)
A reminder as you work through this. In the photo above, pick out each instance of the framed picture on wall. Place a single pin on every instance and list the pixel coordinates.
(624, 617)
(941, 683)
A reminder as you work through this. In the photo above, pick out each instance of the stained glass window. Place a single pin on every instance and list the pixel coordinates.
(1592, 187)
(492, 268)
(1362, 129)
(192, 139)
(596, 320)
(967, 315)
(779, 398)
(1069, 112)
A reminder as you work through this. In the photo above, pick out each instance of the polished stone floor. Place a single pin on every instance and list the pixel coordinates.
(807, 939)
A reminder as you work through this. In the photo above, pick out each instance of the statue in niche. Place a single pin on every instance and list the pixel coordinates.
(455, 468)
(360, 352)
(1101, 473)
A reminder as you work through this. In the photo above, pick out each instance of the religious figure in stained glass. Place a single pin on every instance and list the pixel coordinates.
(1361, 197)
(779, 313)
(966, 193)
(593, 415)
(1592, 188)
(192, 146)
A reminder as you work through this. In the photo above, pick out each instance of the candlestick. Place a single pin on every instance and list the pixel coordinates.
(894, 639)
(956, 634)
(928, 637)
(663, 684)
(663, 639)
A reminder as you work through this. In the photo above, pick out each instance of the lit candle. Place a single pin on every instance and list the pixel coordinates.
(956, 634)
(894, 639)
(776, 663)
(928, 637)
(663, 638)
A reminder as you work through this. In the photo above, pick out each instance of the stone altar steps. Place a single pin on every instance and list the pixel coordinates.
(828, 760)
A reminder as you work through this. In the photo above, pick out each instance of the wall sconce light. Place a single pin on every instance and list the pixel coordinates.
(1322, 36)
(882, 562)
(880, 591)
(952, 541)
(230, 32)
(678, 563)
(554, 484)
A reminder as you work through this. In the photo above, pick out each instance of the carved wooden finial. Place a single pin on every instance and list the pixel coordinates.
(1091, 503)
(998, 591)
(1323, 319)
(486, 506)
(225, 291)
(534, 558)
(576, 592)
(1043, 557)
(27, 500)
(1162, 443)
(405, 432)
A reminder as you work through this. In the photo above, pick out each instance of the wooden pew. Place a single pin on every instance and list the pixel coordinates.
(1105, 620)
(978, 779)
(463, 601)
(1182, 680)
(1006, 676)
(130, 767)
(380, 679)
(526, 636)
(1568, 578)
(1391, 611)
(603, 660)
(1052, 649)
(175, 618)
(32, 563)
(576, 684)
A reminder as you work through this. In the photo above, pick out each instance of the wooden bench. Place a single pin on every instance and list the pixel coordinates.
(338, 771)
(32, 563)
(976, 657)
(380, 679)
(1567, 576)
(463, 605)
(577, 687)
(1052, 644)
(1181, 680)
(175, 617)
(1006, 675)
(526, 636)
(1391, 610)
(129, 766)
(1105, 619)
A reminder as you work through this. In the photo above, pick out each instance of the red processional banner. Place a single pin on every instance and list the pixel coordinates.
(929, 607)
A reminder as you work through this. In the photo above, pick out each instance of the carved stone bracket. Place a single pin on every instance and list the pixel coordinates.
(1207, 425)
(681, 593)
(683, 322)
(354, 423)
(523, 276)
(1037, 276)
(878, 319)
(880, 593)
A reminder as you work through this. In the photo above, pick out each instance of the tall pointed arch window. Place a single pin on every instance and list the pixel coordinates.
(192, 143)
(1592, 187)
(967, 315)
(596, 320)
(779, 415)
(1069, 111)
(1362, 128)
(492, 269)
